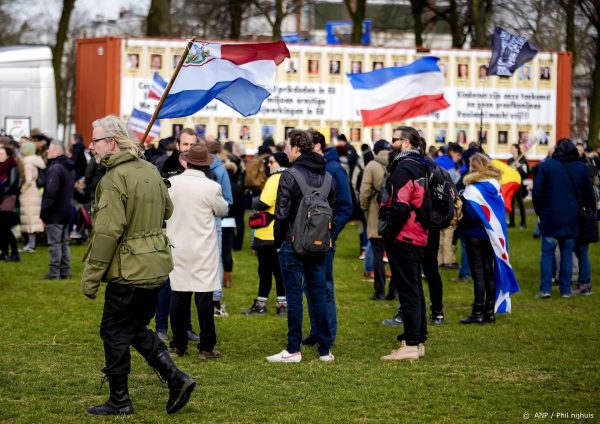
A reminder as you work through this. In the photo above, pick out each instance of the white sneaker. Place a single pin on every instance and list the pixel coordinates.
(285, 356)
(220, 313)
(327, 358)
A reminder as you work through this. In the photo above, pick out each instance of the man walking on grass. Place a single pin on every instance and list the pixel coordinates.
(129, 252)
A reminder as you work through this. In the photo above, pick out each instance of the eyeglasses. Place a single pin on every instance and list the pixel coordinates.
(95, 140)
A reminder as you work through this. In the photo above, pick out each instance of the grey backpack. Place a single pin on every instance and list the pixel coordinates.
(311, 233)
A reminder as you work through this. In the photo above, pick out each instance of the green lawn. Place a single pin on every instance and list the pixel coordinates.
(542, 358)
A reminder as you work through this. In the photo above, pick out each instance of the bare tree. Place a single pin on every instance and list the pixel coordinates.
(158, 22)
(417, 8)
(591, 9)
(274, 12)
(456, 14)
(236, 12)
(57, 56)
(357, 9)
(480, 17)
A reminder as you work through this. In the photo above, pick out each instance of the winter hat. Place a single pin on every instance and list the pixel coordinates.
(281, 159)
(381, 145)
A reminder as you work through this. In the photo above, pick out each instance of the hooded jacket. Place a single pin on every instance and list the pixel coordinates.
(372, 181)
(406, 187)
(313, 167)
(554, 196)
(127, 244)
(58, 191)
(343, 196)
(31, 196)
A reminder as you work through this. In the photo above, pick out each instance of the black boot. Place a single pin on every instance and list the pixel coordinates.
(180, 384)
(118, 403)
(476, 316)
(488, 313)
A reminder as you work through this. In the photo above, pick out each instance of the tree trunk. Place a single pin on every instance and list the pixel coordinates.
(57, 56)
(158, 22)
(417, 7)
(278, 20)
(236, 19)
(456, 29)
(357, 9)
(594, 118)
(481, 12)
(569, 8)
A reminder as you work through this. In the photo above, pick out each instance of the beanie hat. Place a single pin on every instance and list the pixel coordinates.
(381, 145)
(282, 159)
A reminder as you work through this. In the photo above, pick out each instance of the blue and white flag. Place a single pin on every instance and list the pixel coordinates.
(138, 122)
(509, 51)
(485, 198)
(158, 87)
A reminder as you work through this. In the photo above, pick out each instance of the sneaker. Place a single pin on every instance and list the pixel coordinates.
(282, 310)
(193, 337)
(220, 313)
(453, 265)
(65, 277)
(586, 292)
(13, 258)
(436, 319)
(369, 277)
(327, 358)
(213, 354)
(377, 297)
(50, 277)
(566, 295)
(363, 255)
(162, 336)
(421, 350)
(543, 295)
(27, 249)
(285, 356)
(583, 289)
(403, 352)
(460, 279)
(256, 309)
(385, 258)
(176, 353)
(393, 322)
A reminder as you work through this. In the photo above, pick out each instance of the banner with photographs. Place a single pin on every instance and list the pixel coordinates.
(311, 88)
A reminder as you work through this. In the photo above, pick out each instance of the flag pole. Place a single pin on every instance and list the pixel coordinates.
(481, 128)
(168, 88)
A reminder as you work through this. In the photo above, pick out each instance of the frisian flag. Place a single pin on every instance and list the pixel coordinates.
(398, 93)
(509, 51)
(484, 196)
(239, 75)
(158, 87)
(138, 122)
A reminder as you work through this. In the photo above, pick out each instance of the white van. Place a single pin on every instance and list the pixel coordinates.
(27, 91)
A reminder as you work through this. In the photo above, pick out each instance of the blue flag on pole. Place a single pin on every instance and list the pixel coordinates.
(509, 51)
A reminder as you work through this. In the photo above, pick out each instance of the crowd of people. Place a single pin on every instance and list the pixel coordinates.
(164, 215)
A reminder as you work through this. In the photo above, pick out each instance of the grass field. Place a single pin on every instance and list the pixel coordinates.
(544, 358)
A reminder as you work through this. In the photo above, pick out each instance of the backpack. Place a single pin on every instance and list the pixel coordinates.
(311, 233)
(441, 205)
(40, 181)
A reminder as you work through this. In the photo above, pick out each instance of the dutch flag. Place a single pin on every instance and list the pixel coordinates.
(487, 201)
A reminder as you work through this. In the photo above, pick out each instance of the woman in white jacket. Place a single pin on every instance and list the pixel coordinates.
(31, 196)
(193, 235)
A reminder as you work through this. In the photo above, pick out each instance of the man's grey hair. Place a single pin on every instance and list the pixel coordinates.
(58, 145)
(116, 129)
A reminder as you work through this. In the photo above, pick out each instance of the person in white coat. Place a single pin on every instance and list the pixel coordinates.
(193, 235)
(31, 196)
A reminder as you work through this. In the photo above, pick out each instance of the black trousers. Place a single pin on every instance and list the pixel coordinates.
(180, 303)
(378, 249)
(481, 262)
(268, 267)
(406, 261)
(228, 238)
(7, 238)
(518, 198)
(127, 313)
(432, 273)
(240, 227)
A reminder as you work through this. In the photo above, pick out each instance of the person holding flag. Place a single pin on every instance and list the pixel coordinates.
(484, 228)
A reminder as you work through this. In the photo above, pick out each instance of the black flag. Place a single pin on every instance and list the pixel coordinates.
(509, 51)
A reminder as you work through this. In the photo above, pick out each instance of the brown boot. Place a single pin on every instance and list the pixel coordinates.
(403, 352)
(227, 280)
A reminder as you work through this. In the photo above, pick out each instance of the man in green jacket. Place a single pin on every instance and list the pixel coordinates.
(129, 252)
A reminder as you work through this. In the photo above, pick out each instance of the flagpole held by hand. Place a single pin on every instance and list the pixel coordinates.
(168, 88)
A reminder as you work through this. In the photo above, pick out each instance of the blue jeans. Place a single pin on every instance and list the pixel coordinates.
(163, 309)
(585, 268)
(300, 273)
(218, 294)
(464, 271)
(369, 258)
(566, 264)
(329, 300)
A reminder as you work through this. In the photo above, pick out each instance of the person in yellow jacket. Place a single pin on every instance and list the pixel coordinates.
(264, 242)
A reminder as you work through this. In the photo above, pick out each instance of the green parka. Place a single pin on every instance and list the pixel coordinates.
(127, 244)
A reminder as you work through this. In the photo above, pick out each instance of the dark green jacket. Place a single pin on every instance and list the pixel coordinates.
(128, 245)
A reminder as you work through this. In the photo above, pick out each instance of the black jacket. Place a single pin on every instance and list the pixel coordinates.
(289, 195)
(79, 159)
(171, 166)
(58, 192)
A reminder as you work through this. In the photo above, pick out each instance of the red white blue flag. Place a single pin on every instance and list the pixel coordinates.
(239, 75)
(485, 198)
(395, 94)
(138, 122)
(158, 87)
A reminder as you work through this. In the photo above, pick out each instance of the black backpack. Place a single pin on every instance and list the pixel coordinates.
(40, 181)
(311, 233)
(438, 208)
